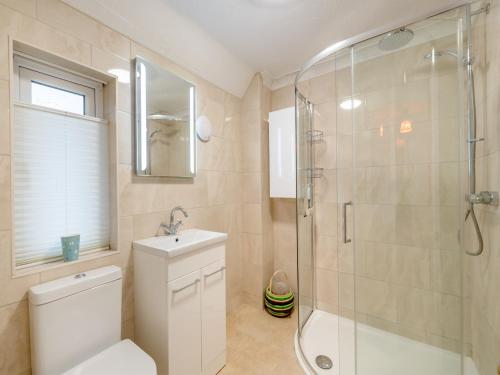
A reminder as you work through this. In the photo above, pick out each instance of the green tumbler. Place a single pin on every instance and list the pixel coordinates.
(70, 247)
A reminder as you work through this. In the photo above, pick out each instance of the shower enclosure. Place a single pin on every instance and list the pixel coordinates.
(384, 139)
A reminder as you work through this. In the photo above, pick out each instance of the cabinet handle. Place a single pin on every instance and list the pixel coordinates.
(185, 286)
(213, 273)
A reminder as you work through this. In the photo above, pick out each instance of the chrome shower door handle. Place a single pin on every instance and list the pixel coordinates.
(344, 214)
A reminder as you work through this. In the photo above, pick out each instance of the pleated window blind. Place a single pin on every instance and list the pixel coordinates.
(60, 181)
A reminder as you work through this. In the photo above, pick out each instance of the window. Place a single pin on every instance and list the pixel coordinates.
(60, 164)
(53, 97)
(51, 87)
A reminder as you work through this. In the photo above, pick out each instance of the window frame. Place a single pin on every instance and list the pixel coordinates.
(27, 70)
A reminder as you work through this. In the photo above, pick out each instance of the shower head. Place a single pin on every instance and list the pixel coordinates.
(433, 55)
(395, 39)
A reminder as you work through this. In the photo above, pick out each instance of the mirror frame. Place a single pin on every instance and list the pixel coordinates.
(141, 148)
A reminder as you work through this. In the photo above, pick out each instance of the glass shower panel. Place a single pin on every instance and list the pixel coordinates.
(305, 255)
(407, 200)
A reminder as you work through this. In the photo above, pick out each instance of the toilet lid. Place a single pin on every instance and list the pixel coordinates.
(123, 358)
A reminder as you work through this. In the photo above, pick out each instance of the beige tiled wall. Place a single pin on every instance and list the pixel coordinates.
(256, 228)
(483, 277)
(213, 198)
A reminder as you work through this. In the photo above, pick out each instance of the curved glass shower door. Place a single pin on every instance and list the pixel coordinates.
(408, 200)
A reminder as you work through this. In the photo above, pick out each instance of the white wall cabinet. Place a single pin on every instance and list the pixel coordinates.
(180, 308)
(282, 153)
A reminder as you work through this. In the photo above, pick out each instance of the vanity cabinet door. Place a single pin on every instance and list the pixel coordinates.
(213, 301)
(184, 324)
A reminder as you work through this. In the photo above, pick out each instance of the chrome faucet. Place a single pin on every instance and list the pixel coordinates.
(171, 228)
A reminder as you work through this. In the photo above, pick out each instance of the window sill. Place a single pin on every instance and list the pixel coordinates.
(20, 272)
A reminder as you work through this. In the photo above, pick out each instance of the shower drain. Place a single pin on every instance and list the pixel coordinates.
(324, 362)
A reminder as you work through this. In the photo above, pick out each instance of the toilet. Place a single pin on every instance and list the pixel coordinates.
(75, 325)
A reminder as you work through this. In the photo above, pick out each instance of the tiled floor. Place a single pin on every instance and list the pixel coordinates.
(260, 344)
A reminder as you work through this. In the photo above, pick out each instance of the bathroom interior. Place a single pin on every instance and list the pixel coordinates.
(162, 162)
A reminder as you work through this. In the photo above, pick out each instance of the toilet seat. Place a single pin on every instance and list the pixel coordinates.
(123, 358)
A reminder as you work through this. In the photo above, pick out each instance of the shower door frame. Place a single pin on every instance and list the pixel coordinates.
(309, 201)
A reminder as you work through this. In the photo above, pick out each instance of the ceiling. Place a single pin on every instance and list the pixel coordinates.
(279, 36)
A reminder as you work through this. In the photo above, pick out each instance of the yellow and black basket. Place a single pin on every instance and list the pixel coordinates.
(279, 302)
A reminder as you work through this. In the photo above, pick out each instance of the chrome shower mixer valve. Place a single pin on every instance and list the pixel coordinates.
(483, 197)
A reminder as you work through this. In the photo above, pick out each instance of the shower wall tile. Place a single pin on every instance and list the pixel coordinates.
(346, 255)
(327, 286)
(411, 266)
(373, 147)
(375, 223)
(326, 252)
(322, 88)
(325, 117)
(376, 298)
(344, 151)
(446, 184)
(446, 143)
(367, 81)
(445, 271)
(414, 307)
(326, 219)
(326, 187)
(282, 98)
(409, 147)
(346, 291)
(374, 260)
(326, 153)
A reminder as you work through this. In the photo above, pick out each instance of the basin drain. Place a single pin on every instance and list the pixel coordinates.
(324, 362)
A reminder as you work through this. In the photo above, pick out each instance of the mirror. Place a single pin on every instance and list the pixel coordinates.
(165, 142)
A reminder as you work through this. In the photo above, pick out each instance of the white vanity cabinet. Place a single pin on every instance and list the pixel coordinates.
(180, 301)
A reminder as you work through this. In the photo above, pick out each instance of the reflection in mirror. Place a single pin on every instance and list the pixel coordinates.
(165, 122)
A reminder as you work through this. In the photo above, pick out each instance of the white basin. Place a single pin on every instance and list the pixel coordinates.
(182, 243)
